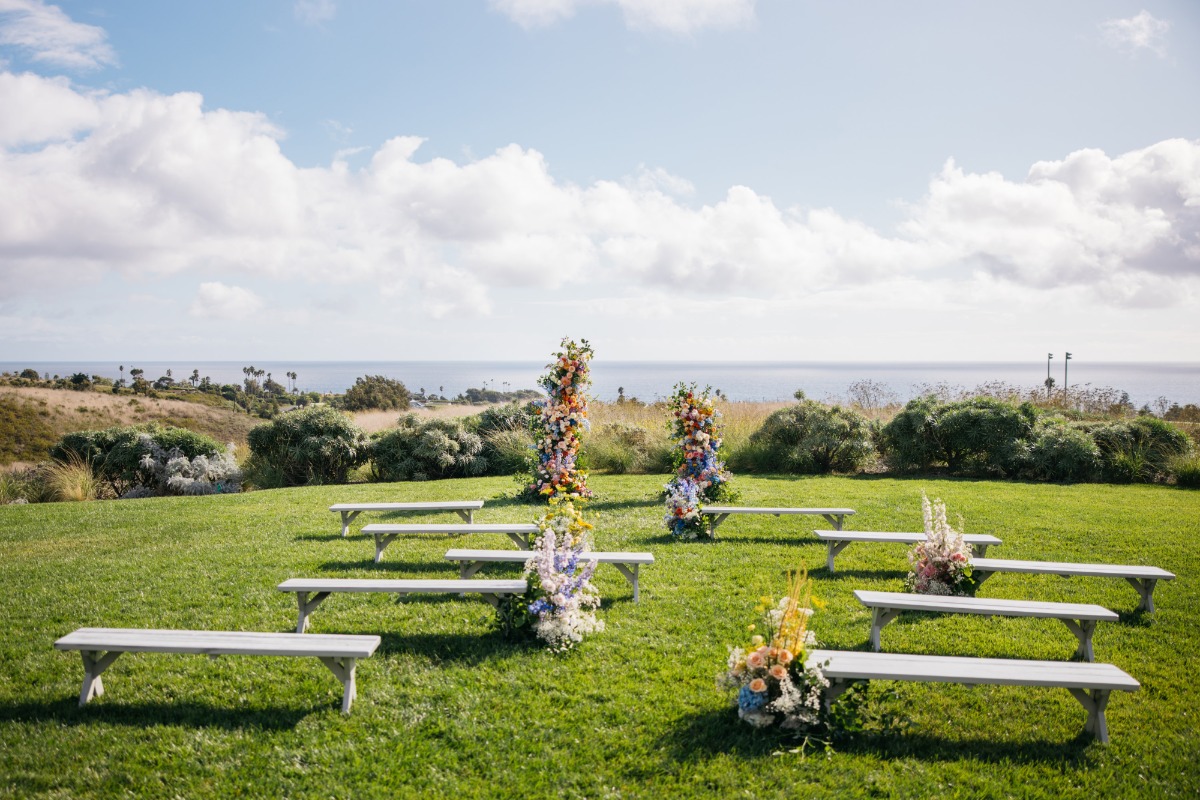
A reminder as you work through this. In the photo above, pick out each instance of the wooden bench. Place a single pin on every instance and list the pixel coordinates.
(1079, 618)
(100, 647)
(464, 508)
(1090, 684)
(471, 561)
(311, 592)
(838, 540)
(1140, 578)
(717, 514)
(521, 533)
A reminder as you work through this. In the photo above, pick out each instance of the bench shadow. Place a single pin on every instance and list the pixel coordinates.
(824, 573)
(1137, 618)
(149, 715)
(604, 505)
(467, 648)
(719, 732)
(325, 537)
(417, 567)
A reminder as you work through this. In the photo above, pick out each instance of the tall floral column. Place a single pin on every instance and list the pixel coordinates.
(700, 476)
(563, 419)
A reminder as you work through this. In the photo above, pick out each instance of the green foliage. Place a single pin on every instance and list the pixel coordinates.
(25, 434)
(1060, 452)
(976, 436)
(373, 392)
(811, 439)
(424, 450)
(311, 445)
(1140, 450)
(909, 442)
(115, 454)
(620, 448)
(1186, 470)
(26, 485)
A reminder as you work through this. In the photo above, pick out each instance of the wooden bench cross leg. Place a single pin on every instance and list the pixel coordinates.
(94, 663)
(833, 519)
(347, 518)
(1094, 702)
(520, 539)
(382, 540)
(308, 603)
(1083, 630)
(1145, 590)
(835, 547)
(343, 670)
(879, 618)
(715, 520)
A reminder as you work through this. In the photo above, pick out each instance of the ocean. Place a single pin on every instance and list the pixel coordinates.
(647, 380)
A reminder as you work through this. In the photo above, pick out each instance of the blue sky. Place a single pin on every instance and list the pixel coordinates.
(691, 179)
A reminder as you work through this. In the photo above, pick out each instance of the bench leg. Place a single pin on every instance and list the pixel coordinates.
(468, 568)
(834, 549)
(93, 664)
(343, 669)
(307, 605)
(1145, 590)
(493, 599)
(347, 518)
(835, 520)
(1083, 630)
(980, 576)
(879, 618)
(837, 686)
(631, 575)
(713, 521)
(1094, 702)
(466, 515)
(382, 540)
(981, 549)
(520, 540)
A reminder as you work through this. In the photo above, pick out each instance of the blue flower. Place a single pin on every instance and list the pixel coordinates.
(751, 701)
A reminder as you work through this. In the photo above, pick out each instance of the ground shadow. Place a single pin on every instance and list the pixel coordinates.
(1137, 618)
(719, 732)
(468, 648)
(607, 505)
(148, 715)
(325, 537)
(841, 574)
(422, 568)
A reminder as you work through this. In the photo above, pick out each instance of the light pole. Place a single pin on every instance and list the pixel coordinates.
(1066, 361)
(1049, 380)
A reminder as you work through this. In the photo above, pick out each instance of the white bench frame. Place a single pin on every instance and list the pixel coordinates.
(464, 508)
(521, 533)
(1079, 618)
(1141, 578)
(311, 592)
(1091, 684)
(471, 561)
(718, 514)
(838, 540)
(100, 647)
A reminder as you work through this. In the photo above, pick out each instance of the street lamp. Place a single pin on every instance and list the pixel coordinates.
(1049, 380)
(1065, 362)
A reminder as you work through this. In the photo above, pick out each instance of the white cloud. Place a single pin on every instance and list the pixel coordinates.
(215, 300)
(138, 184)
(314, 12)
(50, 36)
(1141, 32)
(676, 16)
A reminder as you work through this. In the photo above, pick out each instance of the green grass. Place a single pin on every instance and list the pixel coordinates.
(447, 708)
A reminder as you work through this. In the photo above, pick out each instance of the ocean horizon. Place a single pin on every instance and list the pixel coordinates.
(1178, 382)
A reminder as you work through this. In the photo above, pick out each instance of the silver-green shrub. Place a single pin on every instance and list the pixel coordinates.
(172, 472)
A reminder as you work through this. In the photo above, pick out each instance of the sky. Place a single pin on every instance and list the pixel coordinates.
(692, 180)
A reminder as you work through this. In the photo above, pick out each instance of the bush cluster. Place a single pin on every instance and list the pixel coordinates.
(423, 450)
(809, 439)
(312, 445)
(375, 392)
(123, 458)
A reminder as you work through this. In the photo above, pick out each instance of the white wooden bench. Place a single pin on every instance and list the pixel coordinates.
(464, 508)
(521, 533)
(838, 540)
(1080, 618)
(1090, 684)
(100, 647)
(1140, 578)
(311, 592)
(718, 514)
(471, 561)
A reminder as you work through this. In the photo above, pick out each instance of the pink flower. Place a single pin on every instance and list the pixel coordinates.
(756, 661)
(758, 685)
(778, 671)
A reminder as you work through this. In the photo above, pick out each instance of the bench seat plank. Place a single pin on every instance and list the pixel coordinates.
(471, 561)
(100, 647)
(1089, 683)
(521, 533)
(717, 514)
(838, 540)
(1141, 578)
(311, 592)
(1080, 618)
(464, 508)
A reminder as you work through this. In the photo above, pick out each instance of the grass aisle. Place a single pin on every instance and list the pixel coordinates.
(447, 707)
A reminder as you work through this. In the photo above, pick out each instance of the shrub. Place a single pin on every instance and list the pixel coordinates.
(116, 454)
(376, 392)
(909, 442)
(417, 451)
(508, 440)
(1186, 470)
(25, 435)
(312, 445)
(982, 435)
(621, 449)
(1139, 450)
(25, 485)
(170, 471)
(810, 438)
(72, 480)
(1061, 453)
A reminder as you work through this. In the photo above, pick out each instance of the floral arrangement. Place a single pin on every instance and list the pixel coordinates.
(774, 685)
(942, 563)
(563, 417)
(559, 607)
(700, 476)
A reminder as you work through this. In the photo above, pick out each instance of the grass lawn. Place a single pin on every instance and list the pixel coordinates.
(447, 708)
